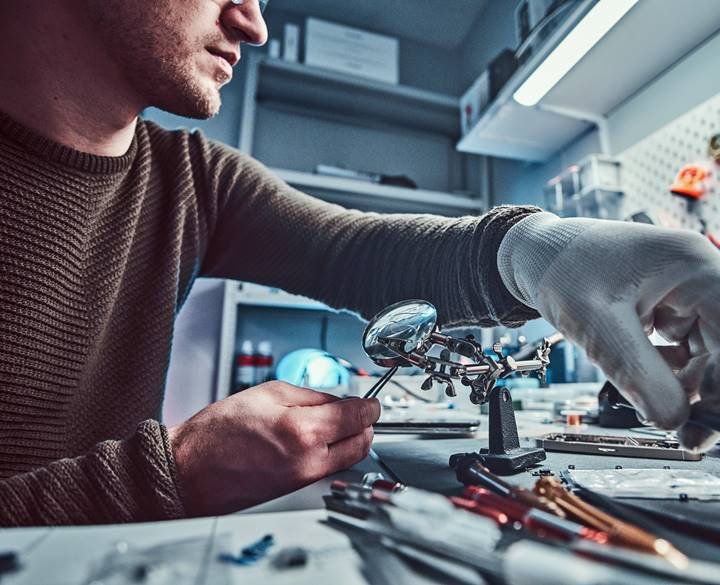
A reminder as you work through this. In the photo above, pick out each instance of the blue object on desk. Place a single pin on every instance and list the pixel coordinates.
(9, 562)
(252, 553)
(312, 368)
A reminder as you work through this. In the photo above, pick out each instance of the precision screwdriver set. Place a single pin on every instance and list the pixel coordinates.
(505, 533)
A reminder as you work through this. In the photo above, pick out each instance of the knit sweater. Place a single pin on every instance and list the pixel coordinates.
(97, 255)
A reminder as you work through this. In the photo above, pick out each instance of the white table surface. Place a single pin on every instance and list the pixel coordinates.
(65, 555)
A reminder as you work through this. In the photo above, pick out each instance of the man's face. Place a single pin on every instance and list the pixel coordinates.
(176, 55)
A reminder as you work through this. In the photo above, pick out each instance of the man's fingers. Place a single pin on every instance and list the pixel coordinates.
(673, 323)
(700, 378)
(623, 351)
(345, 418)
(675, 356)
(691, 375)
(710, 384)
(698, 437)
(349, 451)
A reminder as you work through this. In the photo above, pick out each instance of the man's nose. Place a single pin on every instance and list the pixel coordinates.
(245, 21)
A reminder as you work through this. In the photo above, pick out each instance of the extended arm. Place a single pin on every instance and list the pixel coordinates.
(270, 233)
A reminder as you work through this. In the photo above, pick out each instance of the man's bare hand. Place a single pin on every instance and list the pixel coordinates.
(265, 442)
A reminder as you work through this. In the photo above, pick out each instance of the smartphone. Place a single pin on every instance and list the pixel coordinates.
(439, 426)
(659, 448)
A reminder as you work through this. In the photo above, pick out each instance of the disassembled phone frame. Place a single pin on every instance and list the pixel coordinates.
(659, 448)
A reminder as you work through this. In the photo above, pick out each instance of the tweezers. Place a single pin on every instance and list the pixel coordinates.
(375, 390)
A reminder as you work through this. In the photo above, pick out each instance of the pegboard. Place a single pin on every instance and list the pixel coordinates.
(650, 166)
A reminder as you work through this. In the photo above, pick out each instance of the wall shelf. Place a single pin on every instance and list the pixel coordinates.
(372, 112)
(351, 96)
(255, 295)
(328, 186)
(623, 62)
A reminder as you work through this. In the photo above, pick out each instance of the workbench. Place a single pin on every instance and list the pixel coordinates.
(66, 555)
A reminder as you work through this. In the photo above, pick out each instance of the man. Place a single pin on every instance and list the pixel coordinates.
(105, 221)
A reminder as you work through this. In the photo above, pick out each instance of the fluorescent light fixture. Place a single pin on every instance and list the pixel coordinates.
(595, 24)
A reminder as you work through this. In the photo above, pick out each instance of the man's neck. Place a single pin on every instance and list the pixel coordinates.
(58, 83)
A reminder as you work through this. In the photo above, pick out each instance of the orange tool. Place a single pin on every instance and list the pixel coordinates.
(619, 532)
(691, 181)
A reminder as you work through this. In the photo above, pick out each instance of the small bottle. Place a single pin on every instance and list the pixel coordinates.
(263, 362)
(244, 367)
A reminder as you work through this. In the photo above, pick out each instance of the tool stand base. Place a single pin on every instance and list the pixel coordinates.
(514, 461)
(504, 456)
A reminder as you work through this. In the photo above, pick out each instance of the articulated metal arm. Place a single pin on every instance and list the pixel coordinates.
(480, 375)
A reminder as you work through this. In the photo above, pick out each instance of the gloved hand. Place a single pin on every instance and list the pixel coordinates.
(606, 285)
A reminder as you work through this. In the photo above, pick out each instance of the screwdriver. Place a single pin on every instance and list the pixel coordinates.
(537, 521)
(542, 524)
(470, 471)
(619, 532)
(409, 499)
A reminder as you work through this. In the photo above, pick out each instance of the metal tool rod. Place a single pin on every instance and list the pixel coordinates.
(528, 365)
(524, 366)
(373, 392)
(477, 370)
(437, 337)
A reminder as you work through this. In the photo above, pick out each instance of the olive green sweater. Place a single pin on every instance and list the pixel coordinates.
(97, 255)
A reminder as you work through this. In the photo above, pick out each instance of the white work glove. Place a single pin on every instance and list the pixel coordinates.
(606, 285)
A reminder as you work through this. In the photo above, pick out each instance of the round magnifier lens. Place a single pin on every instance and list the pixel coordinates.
(410, 322)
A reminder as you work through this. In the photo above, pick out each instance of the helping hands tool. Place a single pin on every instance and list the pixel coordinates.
(403, 335)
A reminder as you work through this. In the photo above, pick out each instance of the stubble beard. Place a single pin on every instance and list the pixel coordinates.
(160, 68)
(190, 98)
(173, 84)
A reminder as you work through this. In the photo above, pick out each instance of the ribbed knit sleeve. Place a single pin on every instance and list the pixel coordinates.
(96, 254)
(132, 480)
(272, 234)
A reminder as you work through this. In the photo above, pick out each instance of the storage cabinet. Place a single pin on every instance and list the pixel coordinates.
(296, 117)
(625, 60)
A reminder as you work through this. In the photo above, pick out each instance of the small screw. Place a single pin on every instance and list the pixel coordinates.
(618, 467)
(571, 466)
